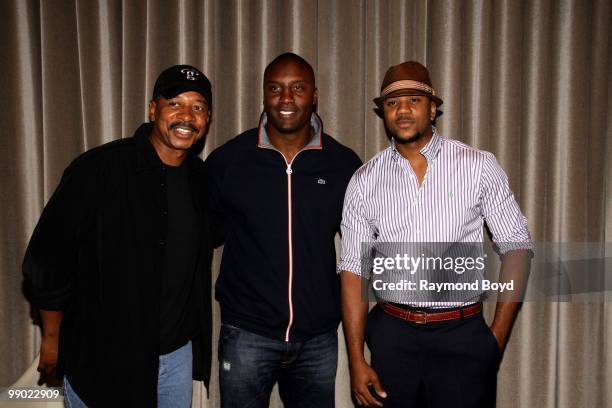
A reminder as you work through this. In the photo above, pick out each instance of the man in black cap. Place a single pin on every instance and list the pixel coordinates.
(119, 263)
(427, 195)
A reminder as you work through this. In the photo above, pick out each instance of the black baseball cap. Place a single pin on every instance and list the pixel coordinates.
(182, 78)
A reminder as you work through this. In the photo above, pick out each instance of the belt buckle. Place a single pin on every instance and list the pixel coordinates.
(419, 316)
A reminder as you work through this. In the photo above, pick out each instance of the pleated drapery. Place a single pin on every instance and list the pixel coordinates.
(528, 80)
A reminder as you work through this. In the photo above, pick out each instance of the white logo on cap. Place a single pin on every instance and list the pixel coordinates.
(190, 74)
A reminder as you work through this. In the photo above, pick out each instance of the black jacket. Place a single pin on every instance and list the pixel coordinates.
(96, 254)
(278, 272)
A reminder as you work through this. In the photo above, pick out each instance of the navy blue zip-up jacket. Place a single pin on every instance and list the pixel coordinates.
(278, 222)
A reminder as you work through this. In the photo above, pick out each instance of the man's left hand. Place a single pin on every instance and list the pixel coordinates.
(501, 336)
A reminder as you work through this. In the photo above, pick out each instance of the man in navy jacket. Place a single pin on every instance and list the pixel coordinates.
(277, 191)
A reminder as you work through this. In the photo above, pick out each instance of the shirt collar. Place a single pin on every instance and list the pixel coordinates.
(430, 150)
(316, 133)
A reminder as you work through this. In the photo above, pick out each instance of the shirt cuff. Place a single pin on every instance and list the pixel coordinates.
(353, 267)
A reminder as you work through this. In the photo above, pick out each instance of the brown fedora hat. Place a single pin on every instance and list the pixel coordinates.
(407, 78)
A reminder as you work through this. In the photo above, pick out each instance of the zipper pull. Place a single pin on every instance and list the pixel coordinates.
(289, 169)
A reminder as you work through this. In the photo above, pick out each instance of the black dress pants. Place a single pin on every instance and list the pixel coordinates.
(434, 365)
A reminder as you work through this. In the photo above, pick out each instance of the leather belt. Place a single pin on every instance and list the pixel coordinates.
(422, 317)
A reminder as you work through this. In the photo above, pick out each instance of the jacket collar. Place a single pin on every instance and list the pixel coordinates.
(146, 156)
(316, 129)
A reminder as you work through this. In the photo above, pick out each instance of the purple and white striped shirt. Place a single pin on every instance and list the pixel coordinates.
(462, 189)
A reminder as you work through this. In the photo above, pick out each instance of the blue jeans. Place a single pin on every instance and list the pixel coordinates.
(174, 387)
(71, 399)
(174, 378)
(250, 365)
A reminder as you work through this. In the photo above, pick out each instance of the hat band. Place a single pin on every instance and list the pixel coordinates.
(407, 84)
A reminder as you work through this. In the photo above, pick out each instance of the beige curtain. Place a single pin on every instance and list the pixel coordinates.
(527, 80)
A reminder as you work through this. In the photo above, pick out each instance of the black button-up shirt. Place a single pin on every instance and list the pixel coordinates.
(97, 255)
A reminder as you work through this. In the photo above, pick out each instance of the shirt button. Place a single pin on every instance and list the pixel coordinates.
(164, 212)
(162, 243)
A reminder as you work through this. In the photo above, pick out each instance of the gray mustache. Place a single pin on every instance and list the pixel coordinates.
(183, 124)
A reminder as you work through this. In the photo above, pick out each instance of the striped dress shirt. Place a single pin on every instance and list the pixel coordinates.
(462, 189)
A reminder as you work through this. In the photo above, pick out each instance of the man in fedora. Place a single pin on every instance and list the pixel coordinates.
(119, 263)
(428, 349)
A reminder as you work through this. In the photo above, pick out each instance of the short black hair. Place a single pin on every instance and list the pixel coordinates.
(289, 57)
